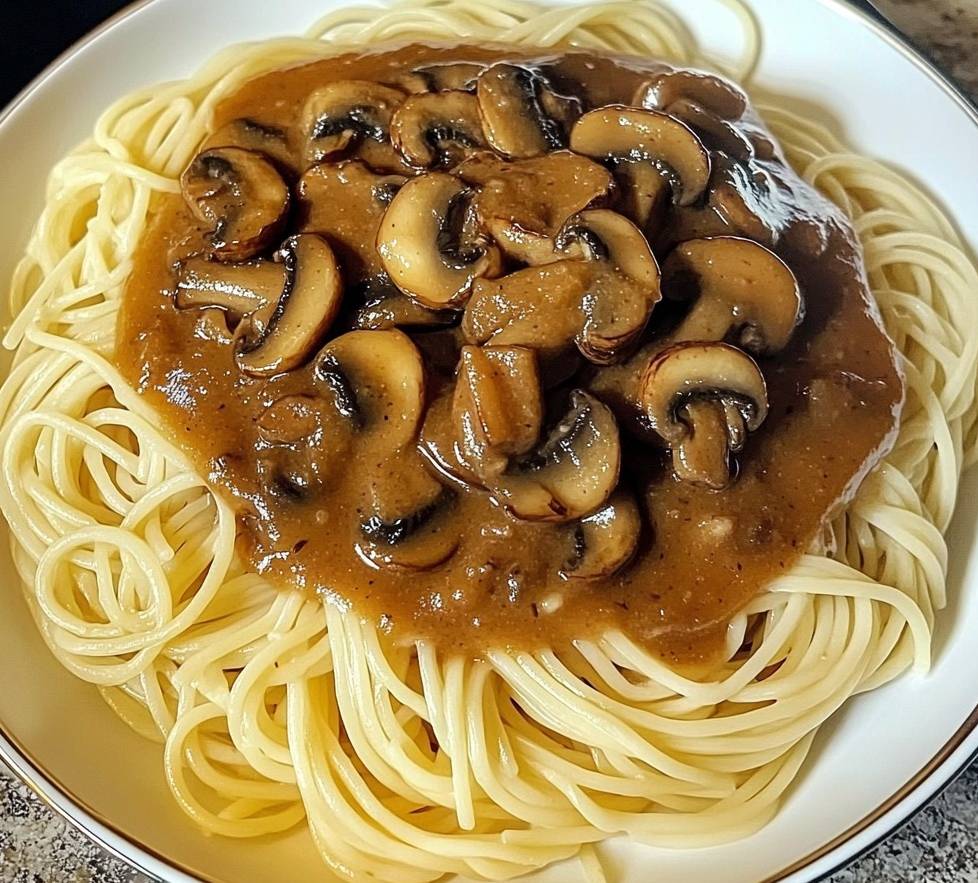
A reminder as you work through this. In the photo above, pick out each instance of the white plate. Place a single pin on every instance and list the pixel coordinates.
(876, 763)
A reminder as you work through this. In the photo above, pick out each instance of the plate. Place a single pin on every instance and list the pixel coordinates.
(874, 764)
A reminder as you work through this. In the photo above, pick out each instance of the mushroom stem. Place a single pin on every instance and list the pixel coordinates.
(703, 456)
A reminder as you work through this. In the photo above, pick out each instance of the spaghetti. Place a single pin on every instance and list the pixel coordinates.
(404, 763)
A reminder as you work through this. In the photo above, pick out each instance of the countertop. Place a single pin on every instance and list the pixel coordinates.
(940, 845)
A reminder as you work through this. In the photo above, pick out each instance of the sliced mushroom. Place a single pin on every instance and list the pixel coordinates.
(242, 198)
(539, 307)
(377, 304)
(237, 289)
(497, 407)
(604, 542)
(715, 132)
(702, 399)
(643, 194)
(744, 293)
(345, 202)
(521, 114)
(376, 379)
(428, 242)
(524, 204)
(437, 128)
(623, 291)
(305, 310)
(339, 116)
(712, 93)
(409, 524)
(744, 202)
(455, 75)
(673, 148)
(250, 134)
(573, 472)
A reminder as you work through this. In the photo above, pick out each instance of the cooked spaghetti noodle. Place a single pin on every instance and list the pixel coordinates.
(405, 764)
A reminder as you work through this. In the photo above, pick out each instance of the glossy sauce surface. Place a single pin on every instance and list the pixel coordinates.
(834, 395)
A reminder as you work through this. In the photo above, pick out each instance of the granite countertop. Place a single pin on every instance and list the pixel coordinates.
(940, 845)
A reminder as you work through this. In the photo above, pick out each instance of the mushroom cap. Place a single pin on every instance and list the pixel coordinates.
(378, 378)
(250, 134)
(437, 128)
(437, 77)
(606, 540)
(573, 472)
(304, 312)
(692, 371)
(525, 203)
(713, 93)
(623, 292)
(617, 131)
(522, 115)
(712, 129)
(497, 407)
(421, 228)
(743, 290)
(241, 196)
(338, 115)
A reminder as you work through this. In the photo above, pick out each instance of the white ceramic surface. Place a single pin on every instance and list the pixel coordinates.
(819, 52)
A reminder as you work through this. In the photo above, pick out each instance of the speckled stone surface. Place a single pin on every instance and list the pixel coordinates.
(940, 845)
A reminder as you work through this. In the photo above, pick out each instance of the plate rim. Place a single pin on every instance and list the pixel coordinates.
(920, 789)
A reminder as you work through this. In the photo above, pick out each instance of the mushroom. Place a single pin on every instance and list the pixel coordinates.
(521, 114)
(242, 198)
(712, 93)
(616, 132)
(376, 379)
(454, 75)
(428, 244)
(377, 304)
(745, 294)
(643, 194)
(341, 115)
(408, 525)
(572, 473)
(745, 200)
(237, 289)
(716, 132)
(702, 399)
(538, 307)
(304, 312)
(605, 541)
(621, 295)
(250, 134)
(497, 407)
(437, 128)
(524, 204)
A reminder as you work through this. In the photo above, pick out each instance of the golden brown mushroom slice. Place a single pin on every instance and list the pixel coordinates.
(497, 407)
(237, 289)
(538, 307)
(441, 76)
(429, 244)
(624, 288)
(341, 116)
(715, 132)
(304, 312)
(703, 399)
(409, 521)
(619, 132)
(376, 379)
(250, 134)
(605, 541)
(437, 128)
(712, 93)
(572, 473)
(744, 293)
(377, 304)
(522, 115)
(241, 198)
(525, 204)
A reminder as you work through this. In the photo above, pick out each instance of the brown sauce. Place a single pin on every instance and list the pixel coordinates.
(834, 394)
